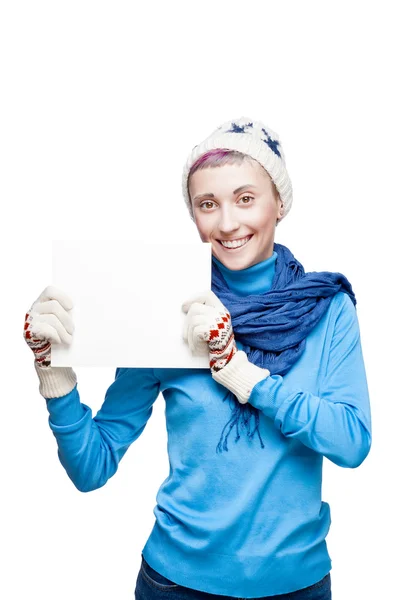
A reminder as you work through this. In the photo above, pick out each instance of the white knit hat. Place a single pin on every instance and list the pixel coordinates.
(257, 141)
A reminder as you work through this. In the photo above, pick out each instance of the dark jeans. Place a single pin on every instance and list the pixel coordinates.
(150, 585)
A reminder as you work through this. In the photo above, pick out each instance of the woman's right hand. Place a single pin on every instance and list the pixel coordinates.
(48, 322)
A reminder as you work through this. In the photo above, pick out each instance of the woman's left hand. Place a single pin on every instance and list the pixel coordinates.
(208, 329)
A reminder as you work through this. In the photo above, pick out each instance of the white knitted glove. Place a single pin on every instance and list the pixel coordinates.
(240, 376)
(48, 322)
(208, 329)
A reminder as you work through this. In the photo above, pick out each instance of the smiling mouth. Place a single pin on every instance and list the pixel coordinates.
(236, 244)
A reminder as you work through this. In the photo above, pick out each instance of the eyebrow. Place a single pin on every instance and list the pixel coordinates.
(210, 195)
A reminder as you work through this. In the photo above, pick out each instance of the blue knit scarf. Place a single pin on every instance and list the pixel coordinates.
(272, 327)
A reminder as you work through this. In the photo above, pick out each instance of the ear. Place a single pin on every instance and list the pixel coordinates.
(280, 211)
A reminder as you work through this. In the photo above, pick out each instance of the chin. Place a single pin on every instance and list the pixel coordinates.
(237, 263)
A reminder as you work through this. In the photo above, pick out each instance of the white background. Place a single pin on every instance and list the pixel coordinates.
(101, 104)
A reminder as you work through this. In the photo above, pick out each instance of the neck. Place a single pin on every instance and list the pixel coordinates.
(256, 279)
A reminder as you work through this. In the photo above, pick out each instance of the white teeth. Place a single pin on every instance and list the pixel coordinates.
(235, 243)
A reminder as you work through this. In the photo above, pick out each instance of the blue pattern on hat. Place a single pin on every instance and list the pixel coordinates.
(239, 128)
(271, 143)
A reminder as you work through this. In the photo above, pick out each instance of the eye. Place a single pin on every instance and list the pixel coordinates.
(206, 202)
(246, 197)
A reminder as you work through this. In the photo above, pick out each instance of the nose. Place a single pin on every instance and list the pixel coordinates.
(228, 222)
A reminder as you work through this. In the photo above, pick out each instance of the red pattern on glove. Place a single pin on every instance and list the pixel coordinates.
(41, 348)
(221, 341)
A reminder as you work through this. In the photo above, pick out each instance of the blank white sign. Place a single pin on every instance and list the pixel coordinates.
(127, 298)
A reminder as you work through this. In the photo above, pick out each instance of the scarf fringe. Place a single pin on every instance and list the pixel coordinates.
(241, 416)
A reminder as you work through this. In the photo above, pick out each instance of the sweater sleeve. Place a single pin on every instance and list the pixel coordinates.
(337, 422)
(90, 448)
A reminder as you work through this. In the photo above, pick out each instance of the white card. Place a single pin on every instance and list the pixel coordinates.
(127, 298)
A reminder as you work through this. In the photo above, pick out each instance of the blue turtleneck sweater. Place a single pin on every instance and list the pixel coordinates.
(249, 522)
(257, 279)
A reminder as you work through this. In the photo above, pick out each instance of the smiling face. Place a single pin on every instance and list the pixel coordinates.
(233, 202)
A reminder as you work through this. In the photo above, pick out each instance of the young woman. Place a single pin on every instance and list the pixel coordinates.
(240, 514)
